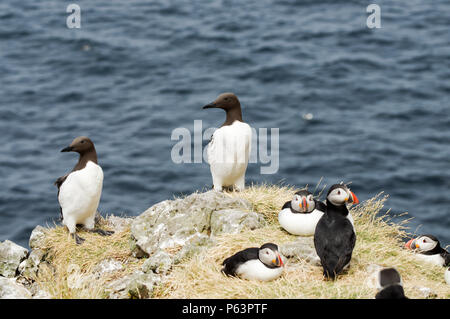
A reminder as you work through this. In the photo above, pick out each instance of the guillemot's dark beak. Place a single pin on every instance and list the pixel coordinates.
(67, 149)
(210, 106)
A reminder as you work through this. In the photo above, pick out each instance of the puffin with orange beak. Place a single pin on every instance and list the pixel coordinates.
(335, 236)
(428, 248)
(264, 263)
(300, 215)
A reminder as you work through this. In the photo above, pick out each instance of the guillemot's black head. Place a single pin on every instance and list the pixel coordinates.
(81, 144)
(269, 255)
(303, 202)
(340, 194)
(230, 103)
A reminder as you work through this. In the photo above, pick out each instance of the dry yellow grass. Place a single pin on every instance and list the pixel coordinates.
(70, 274)
(378, 242)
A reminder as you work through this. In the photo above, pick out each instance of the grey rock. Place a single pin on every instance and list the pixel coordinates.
(37, 237)
(135, 286)
(302, 248)
(233, 221)
(10, 289)
(30, 266)
(106, 266)
(11, 255)
(193, 246)
(172, 223)
(119, 224)
(426, 292)
(160, 262)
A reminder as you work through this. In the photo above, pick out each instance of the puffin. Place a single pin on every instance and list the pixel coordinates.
(447, 276)
(230, 145)
(335, 236)
(429, 249)
(390, 285)
(300, 215)
(79, 191)
(264, 263)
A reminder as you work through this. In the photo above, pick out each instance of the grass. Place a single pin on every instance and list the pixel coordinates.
(379, 241)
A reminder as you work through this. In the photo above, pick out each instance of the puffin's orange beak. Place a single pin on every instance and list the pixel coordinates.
(355, 199)
(305, 205)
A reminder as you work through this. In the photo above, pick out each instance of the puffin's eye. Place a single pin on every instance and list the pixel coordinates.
(424, 240)
(339, 192)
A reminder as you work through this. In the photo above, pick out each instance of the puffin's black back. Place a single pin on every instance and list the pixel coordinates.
(391, 292)
(334, 240)
(232, 263)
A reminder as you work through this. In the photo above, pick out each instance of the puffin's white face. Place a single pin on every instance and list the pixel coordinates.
(342, 195)
(424, 243)
(303, 204)
(339, 196)
(270, 257)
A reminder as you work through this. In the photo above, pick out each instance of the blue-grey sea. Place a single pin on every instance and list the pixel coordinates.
(353, 104)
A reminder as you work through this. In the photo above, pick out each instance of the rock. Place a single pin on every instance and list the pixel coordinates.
(192, 247)
(11, 255)
(135, 286)
(37, 237)
(233, 221)
(10, 289)
(426, 292)
(30, 266)
(172, 223)
(372, 278)
(160, 263)
(119, 224)
(302, 248)
(106, 266)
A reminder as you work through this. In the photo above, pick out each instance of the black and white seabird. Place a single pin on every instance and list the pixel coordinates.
(335, 237)
(300, 215)
(429, 249)
(390, 285)
(264, 263)
(230, 145)
(79, 191)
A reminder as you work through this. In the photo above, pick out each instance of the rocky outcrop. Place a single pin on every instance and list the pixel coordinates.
(11, 255)
(172, 224)
(302, 248)
(10, 289)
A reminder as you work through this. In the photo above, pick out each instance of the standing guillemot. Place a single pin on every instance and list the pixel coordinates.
(390, 285)
(230, 145)
(335, 237)
(79, 191)
(428, 248)
(264, 263)
(300, 215)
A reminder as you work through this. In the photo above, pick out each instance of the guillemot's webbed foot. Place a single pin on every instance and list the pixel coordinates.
(101, 232)
(78, 239)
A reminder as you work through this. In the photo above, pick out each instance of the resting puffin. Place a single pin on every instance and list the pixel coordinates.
(390, 285)
(429, 249)
(335, 237)
(264, 263)
(300, 215)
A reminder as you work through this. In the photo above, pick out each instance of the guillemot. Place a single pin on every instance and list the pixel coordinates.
(229, 149)
(79, 191)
